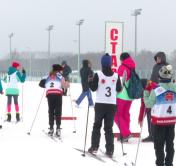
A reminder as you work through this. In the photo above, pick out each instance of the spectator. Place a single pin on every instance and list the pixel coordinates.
(122, 116)
(66, 72)
(85, 73)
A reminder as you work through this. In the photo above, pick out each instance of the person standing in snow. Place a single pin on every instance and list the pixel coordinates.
(12, 91)
(122, 116)
(162, 101)
(106, 84)
(85, 73)
(66, 72)
(54, 83)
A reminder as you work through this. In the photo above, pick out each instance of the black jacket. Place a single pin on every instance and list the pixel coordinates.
(66, 71)
(85, 73)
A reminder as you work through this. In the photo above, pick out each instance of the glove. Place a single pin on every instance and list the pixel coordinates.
(150, 85)
(1, 92)
(23, 71)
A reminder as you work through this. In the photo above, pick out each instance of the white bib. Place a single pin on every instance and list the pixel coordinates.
(106, 92)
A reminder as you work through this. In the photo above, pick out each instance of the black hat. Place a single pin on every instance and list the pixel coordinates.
(124, 56)
(57, 67)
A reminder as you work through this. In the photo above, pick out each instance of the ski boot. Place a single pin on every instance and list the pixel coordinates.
(17, 117)
(93, 150)
(109, 154)
(58, 132)
(51, 131)
(8, 117)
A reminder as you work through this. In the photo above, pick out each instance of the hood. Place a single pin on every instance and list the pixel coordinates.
(85, 63)
(162, 56)
(129, 62)
(11, 70)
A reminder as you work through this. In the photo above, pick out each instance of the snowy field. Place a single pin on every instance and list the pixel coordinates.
(20, 149)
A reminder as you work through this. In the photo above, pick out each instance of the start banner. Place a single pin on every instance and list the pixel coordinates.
(114, 41)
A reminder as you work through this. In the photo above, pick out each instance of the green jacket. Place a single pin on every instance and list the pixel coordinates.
(1, 89)
(150, 98)
(123, 94)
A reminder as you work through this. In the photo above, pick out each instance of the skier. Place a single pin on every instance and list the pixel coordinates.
(54, 83)
(105, 83)
(162, 101)
(12, 78)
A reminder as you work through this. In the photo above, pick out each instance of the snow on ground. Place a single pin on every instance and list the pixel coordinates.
(19, 148)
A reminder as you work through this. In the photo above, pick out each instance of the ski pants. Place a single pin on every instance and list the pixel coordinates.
(55, 109)
(103, 112)
(122, 116)
(164, 138)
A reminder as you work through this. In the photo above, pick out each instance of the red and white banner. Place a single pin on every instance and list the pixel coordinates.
(114, 42)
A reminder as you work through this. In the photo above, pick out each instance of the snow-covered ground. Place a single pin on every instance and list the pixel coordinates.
(20, 149)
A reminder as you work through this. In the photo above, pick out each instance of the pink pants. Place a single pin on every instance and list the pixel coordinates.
(122, 116)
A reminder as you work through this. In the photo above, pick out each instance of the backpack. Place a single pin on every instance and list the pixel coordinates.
(135, 89)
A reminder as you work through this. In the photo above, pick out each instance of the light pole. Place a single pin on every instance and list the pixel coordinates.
(10, 39)
(135, 13)
(30, 63)
(79, 23)
(50, 27)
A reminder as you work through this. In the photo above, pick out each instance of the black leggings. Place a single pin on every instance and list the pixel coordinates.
(9, 99)
(55, 109)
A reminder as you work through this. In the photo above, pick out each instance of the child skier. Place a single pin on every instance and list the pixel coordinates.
(54, 83)
(105, 83)
(12, 78)
(162, 100)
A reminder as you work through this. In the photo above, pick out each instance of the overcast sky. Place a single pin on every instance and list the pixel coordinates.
(28, 19)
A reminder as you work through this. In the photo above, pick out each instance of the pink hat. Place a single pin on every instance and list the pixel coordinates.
(15, 64)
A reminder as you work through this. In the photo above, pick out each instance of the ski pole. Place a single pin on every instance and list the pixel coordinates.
(84, 151)
(22, 104)
(74, 131)
(120, 136)
(36, 113)
(139, 141)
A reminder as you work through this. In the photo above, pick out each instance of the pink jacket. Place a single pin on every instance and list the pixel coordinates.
(130, 63)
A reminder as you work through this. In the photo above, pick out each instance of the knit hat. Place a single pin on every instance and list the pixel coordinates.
(106, 60)
(57, 67)
(166, 72)
(15, 64)
(124, 56)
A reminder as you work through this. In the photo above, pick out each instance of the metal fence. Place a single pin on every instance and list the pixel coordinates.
(36, 76)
